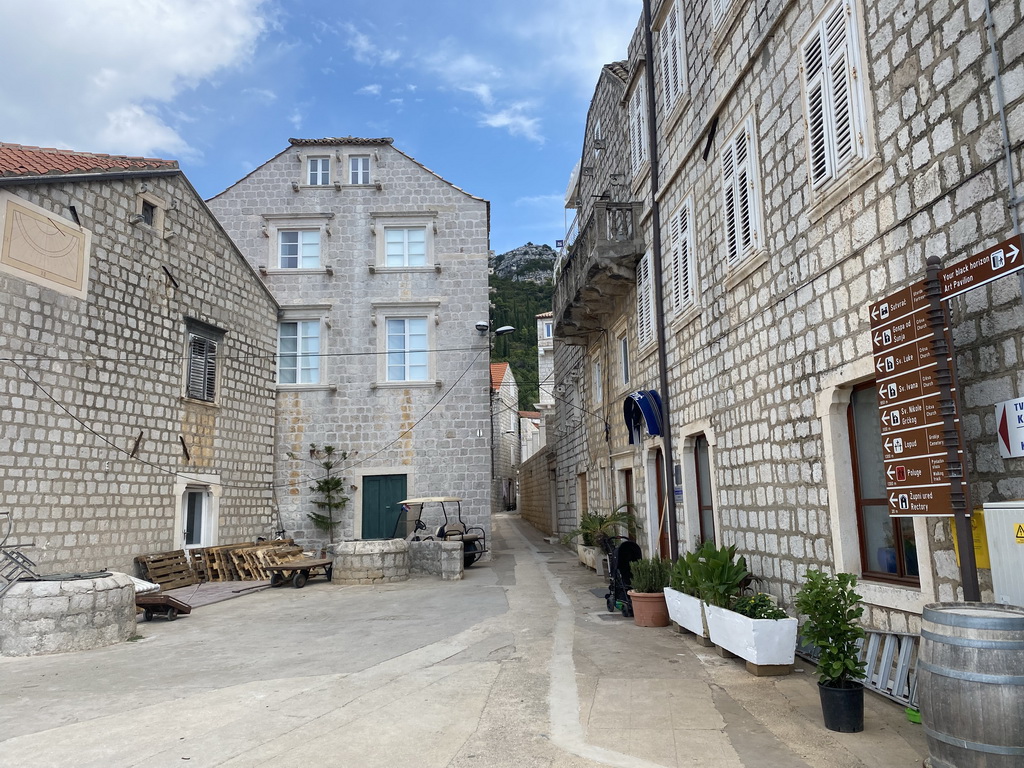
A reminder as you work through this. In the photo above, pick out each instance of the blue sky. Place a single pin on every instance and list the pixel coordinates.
(491, 95)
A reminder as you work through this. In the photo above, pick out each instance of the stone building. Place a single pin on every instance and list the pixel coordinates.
(137, 357)
(506, 437)
(810, 158)
(380, 267)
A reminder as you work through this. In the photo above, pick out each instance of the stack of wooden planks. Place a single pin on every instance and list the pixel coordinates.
(230, 562)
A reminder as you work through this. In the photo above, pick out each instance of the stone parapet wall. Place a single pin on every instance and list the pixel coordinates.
(535, 478)
(40, 617)
(437, 558)
(370, 562)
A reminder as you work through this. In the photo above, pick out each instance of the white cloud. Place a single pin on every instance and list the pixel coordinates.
(365, 50)
(481, 91)
(369, 90)
(262, 95)
(96, 75)
(515, 120)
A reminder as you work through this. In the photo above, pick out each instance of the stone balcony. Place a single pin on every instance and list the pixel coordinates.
(597, 266)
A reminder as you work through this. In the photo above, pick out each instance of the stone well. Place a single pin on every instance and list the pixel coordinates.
(375, 561)
(54, 616)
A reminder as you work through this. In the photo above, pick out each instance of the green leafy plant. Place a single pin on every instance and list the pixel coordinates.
(650, 574)
(759, 606)
(684, 574)
(832, 607)
(330, 488)
(596, 527)
(714, 574)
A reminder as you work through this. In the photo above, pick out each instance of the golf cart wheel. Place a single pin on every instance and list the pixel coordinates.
(470, 553)
(148, 614)
(276, 579)
(299, 579)
(172, 614)
(609, 600)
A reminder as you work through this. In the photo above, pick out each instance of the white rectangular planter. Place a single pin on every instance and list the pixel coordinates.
(588, 556)
(763, 642)
(685, 610)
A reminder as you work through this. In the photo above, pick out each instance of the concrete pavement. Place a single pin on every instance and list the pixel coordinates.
(519, 664)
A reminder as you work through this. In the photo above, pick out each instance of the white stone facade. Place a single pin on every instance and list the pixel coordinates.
(101, 446)
(505, 428)
(378, 238)
(773, 334)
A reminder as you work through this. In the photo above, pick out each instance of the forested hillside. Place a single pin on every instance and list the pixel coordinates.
(521, 289)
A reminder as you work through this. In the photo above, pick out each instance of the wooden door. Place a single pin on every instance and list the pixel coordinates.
(381, 510)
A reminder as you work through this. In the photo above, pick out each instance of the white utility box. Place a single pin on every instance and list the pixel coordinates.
(1004, 525)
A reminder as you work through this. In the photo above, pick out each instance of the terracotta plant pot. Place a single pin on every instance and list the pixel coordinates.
(649, 609)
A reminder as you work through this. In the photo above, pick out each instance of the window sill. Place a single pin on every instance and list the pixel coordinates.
(307, 388)
(196, 401)
(684, 318)
(897, 597)
(434, 384)
(725, 27)
(744, 269)
(840, 189)
(295, 270)
(376, 269)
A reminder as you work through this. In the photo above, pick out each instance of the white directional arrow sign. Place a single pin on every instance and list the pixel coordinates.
(991, 264)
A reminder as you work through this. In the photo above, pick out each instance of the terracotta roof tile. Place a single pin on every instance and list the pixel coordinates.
(21, 160)
(545, 314)
(338, 140)
(498, 374)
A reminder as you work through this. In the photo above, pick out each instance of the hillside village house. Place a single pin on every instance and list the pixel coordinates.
(506, 440)
(137, 352)
(809, 159)
(380, 268)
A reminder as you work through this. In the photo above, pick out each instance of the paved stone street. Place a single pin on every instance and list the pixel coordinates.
(518, 665)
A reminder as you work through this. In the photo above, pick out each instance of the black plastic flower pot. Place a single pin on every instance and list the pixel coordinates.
(843, 708)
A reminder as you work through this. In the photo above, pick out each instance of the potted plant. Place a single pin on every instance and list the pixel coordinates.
(649, 577)
(594, 531)
(756, 630)
(832, 607)
(682, 596)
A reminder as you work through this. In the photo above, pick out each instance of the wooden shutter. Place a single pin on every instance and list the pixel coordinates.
(644, 301)
(637, 128)
(837, 34)
(202, 368)
(729, 209)
(682, 278)
(739, 182)
(671, 56)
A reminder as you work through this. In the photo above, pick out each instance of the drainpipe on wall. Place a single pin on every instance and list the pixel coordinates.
(659, 293)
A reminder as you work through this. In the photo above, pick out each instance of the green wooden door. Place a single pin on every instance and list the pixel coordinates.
(381, 494)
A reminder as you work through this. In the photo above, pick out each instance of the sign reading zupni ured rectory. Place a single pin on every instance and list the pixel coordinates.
(910, 396)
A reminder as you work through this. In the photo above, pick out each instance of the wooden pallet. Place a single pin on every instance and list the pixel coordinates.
(168, 569)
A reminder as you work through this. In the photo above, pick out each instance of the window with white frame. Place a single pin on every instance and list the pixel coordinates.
(548, 325)
(407, 349)
(298, 248)
(405, 246)
(740, 184)
(718, 9)
(298, 352)
(319, 171)
(201, 374)
(637, 113)
(834, 94)
(671, 52)
(644, 301)
(681, 232)
(359, 169)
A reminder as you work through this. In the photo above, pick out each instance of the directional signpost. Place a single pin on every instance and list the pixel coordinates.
(991, 264)
(913, 403)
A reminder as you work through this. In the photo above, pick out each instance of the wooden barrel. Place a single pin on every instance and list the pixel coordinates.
(970, 682)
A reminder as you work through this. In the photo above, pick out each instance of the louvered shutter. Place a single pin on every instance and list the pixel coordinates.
(637, 129)
(202, 368)
(838, 36)
(718, 10)
(818, 122)
(729, 210)
(682, 291)
(744, 225)
(671, 58)
(644, 301)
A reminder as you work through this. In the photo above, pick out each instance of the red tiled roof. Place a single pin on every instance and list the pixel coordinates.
(498, 374)
(545, 314)
(21, 160)
(530, 414)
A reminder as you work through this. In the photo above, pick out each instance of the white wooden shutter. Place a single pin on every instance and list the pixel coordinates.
(682, 271)
(637, 128)
(729, 203)
(644, 301)
(671, 55)
(739, 183)
(837, 32)
(718, 9)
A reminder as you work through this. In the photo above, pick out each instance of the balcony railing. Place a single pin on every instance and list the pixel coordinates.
(598, 261)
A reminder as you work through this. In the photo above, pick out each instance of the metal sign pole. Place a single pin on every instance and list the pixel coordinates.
(956, 469)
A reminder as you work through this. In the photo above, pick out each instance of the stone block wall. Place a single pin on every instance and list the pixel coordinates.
(371, 562)
(41, 617)
(437, 558)
(535, 479)
(92, 389)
